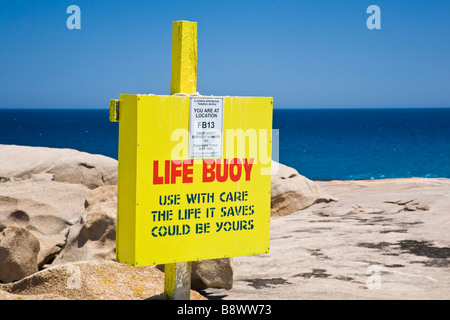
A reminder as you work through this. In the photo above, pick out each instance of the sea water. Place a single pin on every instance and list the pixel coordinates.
(321, 144)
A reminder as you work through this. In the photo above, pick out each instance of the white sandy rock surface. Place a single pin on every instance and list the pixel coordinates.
(383, 239)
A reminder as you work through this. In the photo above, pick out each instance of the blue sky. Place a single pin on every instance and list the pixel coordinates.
(305, 54)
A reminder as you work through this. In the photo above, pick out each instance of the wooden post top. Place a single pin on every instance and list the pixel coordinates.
(184, 57)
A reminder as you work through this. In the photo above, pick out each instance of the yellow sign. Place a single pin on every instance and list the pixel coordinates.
(176, 205)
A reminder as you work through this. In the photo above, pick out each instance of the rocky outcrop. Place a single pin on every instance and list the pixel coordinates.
(65, 201)
(66, 165)
(291, 191)
(102, 194)
(90, 280)
(215, 273)
(94, 237)
(46, 208)
(18, 254)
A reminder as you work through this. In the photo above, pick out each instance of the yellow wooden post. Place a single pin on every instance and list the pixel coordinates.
(184, 57)
(177, 276)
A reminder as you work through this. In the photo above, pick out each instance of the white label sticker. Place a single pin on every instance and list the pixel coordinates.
(205, 127)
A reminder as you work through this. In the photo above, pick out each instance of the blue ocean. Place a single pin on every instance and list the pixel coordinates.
(321, 144)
